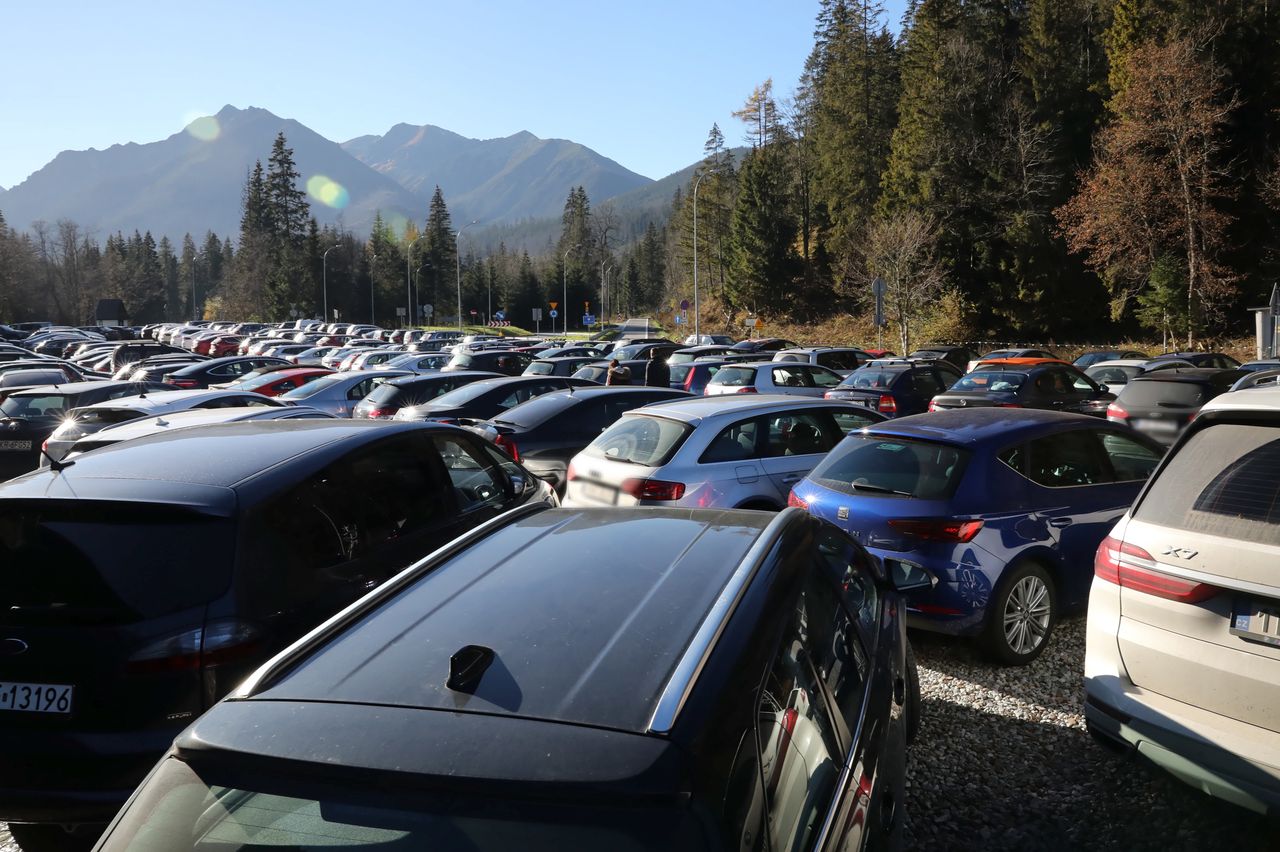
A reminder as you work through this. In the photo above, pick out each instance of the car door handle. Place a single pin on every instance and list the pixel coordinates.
(1060, 523)
(790, 478)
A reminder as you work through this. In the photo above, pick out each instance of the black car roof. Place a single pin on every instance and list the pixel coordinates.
(75, 388)
(432, 378)
(592, 640)
(1198, 375)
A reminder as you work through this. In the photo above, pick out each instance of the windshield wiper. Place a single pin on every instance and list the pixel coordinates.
(879, 489)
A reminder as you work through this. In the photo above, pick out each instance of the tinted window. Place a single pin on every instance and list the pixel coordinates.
(734, 443)
(791, 377)
(1067, 459)
(735, 377)
(925, 383)
(838, 360)
(540, 368)
(990, 380)
(1130, 459)
(839, 651)
(476, 480)
(640, 439)
(313, 388)
(45, 405)
(868, 465)
(797, 434)
(109, 561)
(850, 421)
(824, 378)
(1145, 394)
(537, 410)
(1223, 482)
(869, 378)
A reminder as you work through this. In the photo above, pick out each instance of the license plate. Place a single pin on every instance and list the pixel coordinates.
(599, 493)
(1257, 622)
(1162, 426)
(36, 697)
(15, 445)
(868, 403)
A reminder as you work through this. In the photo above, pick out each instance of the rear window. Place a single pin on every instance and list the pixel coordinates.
(461, 360)
(109, 562)
(990, 380)
(107, 416)
(318, 386)
(41, 405)
(735, 377)
(537, 410)
(865, 378)
(680, 372)
(871, 465)
(1171, 394)
(640, 439)
(540, 368)
(1221, 482)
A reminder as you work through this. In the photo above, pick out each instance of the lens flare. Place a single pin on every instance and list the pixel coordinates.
(205, 128)
(396, 222)
(328, 191)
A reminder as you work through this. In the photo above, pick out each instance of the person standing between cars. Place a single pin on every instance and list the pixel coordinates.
(656, 373)
(617, 374)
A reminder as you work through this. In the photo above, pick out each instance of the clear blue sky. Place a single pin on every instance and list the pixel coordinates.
(639, 82)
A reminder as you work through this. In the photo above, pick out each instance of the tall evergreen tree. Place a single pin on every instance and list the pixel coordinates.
(438, 251)
(764, 232)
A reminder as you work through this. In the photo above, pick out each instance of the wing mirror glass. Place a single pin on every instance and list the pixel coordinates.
(908, 576)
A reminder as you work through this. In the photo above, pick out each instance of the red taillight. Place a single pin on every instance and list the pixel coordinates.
(570, 475)
(508, 445)
(380, 413)
(945, 529)
(219, 642)
(793, 500)
(1007, 405)
(887, 404)
(1131, 567)
(747, 389)
(933, 406)
(653, 489)
(1115, 412)
(184, 383)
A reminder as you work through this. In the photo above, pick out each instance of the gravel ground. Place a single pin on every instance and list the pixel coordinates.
(1003, 761)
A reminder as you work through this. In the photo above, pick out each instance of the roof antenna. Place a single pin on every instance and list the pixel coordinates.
(55, 465)
(467, 666)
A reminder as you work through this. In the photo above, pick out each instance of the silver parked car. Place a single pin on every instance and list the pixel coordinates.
(743, 452)
(163, 423)
(793, 379)
(339, 393)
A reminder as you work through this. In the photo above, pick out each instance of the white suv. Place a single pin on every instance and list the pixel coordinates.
(1182, 660)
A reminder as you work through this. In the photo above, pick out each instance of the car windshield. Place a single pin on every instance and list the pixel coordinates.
(627, 353)
(640, 439)
(870, 379)
(540, 368)
(877, 466)
(261, 380)
(185, 806)
(320, 385)
(1166, 394)
(35, 406)
(990, 380)
(735, 377)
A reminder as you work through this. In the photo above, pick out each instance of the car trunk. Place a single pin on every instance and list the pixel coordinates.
(103, 604)
(1200, 596)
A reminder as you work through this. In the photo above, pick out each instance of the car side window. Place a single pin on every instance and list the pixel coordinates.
(360, 389)
(824, 378)
(1067, 459)
(477, 482)
(736, 442)
(788, 377)
(799, 751)
(796, 434)
(849, 421)
(1130, 460)
(925, 383)
(1081, 383)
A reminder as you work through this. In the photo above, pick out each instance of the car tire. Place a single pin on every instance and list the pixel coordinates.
(54, 838)
(1021, 616)
(914, 704)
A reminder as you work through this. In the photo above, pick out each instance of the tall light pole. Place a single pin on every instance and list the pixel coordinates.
(604, 295)
(564, 282)
(193, 288)
(408, 280)
(417, 280)
(697, 340)
(457, 252)
(324, 265)
(373, 277)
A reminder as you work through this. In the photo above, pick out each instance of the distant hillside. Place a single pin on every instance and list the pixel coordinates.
(492, 180)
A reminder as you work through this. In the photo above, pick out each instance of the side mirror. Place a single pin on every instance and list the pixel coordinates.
(908, 576)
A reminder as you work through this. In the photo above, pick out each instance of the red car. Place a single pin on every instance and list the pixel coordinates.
(277, 382)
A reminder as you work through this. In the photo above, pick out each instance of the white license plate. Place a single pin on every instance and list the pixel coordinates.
(36, 697)
(599, 493)
(15, 445)
(1256, 622)
(1163, 426)
(868, 403)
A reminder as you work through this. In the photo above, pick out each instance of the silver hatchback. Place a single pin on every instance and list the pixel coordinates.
(791, 378)
(728, 452)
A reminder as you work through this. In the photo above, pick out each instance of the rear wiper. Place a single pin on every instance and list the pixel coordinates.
(879, 489)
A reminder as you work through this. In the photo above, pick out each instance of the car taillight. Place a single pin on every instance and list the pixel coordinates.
(1115, 412)
(1130, 567)
(571, 474)
(944, 529)
(653, 489)
(379, 413)
(508, 445)
(1008, 405)
(887, 404)
(182, 383)
(793, 500)
(933, 406)
(747, 389)
(216, 643)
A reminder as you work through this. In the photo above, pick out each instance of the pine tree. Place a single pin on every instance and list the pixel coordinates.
(764, 260)
(437, 253)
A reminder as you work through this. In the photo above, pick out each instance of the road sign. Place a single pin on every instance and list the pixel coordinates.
(759, 323)
(474, 312)
(401, 311)
(537, 314)
(554, 305)
(499, 315)
(427, 310)
(878, 288)
(553, 313)
(684, 304)
(588, 319)
(679, 319)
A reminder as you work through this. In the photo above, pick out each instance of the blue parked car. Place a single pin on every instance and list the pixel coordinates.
(1005, 507)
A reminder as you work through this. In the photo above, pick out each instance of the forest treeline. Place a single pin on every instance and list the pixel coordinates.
(1009, 168)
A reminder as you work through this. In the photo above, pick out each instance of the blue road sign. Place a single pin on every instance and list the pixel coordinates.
(679, 319)
(553, 313)
(588, 319)
(499, 315)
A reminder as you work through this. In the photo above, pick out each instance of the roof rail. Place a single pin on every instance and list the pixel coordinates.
(686, 671)
(1259, 378)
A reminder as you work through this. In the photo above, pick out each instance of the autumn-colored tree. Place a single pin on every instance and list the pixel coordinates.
(901, 249)
(1159, 185)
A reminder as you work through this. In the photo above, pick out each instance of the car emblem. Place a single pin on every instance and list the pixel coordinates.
(843, 513)
(1180, 552)
(12, 647)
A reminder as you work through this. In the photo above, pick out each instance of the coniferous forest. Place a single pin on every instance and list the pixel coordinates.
(1009, 168)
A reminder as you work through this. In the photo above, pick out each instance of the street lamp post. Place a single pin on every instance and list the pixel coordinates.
(697, 340)
(604, 295)
(324, 264)
(417, 281)
(564, 282)
(373, 278)
(194, 316)
(408, 280)
(457, 251)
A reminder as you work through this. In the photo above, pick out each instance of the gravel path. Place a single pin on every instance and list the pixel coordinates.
(1003, 761)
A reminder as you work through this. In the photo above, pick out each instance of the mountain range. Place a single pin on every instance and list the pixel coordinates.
(193, 181)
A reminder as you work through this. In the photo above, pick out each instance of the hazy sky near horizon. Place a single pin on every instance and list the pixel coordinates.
(639, 83)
